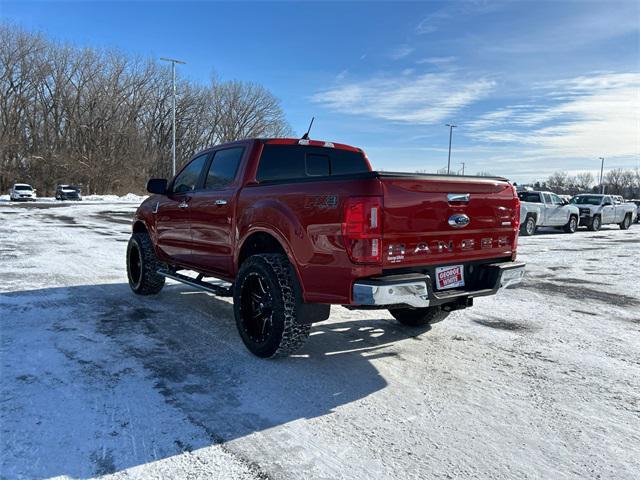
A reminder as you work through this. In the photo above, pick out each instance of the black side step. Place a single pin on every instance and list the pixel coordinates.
(218, 290)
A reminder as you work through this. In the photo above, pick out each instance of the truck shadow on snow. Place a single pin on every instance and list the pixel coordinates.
(120, 381)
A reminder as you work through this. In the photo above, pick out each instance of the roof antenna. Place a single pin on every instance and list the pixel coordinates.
(306, 135)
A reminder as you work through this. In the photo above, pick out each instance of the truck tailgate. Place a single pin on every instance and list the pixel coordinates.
(436, 220)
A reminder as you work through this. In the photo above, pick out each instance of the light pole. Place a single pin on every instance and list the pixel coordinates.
(601, 171)
(462, 163)
(451, 127)
(173, 115)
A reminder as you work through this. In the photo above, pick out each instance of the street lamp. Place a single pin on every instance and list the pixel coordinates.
(451, 127)
(601, 171)
(173, 128)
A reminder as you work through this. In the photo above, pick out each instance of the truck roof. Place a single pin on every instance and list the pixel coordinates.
(313, 143)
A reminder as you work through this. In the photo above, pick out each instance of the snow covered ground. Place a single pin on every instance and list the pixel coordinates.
(542, 381)
(128, 198)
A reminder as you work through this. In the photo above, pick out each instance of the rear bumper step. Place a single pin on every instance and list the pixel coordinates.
(414, 290)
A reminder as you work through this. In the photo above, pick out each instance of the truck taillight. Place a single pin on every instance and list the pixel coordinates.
(515, 223)
(515, 220)
(362, 229)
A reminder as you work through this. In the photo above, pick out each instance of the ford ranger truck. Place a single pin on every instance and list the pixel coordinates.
(289, 227)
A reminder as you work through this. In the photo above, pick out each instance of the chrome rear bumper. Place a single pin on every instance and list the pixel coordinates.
(414, 290)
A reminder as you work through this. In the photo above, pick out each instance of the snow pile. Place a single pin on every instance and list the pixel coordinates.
(129, 197)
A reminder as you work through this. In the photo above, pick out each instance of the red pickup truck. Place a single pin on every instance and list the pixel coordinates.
(288, 227)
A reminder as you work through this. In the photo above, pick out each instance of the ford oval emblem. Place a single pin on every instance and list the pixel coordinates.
(459, 220)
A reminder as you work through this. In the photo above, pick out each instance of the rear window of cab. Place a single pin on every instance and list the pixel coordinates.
(285, 162)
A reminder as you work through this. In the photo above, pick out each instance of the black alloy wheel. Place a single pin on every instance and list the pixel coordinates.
(257, 308)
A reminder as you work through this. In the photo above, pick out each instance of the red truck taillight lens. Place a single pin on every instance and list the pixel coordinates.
(362, 229)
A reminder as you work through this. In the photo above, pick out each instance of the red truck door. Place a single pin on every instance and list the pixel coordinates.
(212, 211)
(172, 212)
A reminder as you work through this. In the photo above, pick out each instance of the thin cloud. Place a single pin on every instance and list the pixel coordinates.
(438, 61)
(431, 23)
(584, 116)
(423, 99)
(401, 52)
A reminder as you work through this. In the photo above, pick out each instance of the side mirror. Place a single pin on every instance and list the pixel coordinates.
(157, 185)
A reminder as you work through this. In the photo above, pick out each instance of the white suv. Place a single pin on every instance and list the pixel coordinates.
(22, 191)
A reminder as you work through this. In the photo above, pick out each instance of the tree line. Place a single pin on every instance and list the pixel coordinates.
(618, 181)
(102, 119)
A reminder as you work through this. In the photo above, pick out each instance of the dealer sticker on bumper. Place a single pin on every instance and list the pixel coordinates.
(450, 277)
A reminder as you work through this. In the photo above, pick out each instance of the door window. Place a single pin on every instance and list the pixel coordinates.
(556, 200)
(547, 198)
(223, 168)
(189, 178)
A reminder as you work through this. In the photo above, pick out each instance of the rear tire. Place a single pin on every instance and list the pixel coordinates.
(417, 317)
(626, 223)
(266, 303)
(529, 226)
(595, 224)
(143, 266)
(572, 225)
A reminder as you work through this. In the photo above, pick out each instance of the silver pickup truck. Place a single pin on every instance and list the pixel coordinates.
(597, 210)
(546, 209)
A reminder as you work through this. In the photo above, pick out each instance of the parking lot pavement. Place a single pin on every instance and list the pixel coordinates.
(541, 381)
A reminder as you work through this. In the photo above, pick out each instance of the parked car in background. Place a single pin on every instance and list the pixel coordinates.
(68, 192)
(22, 192)
(636, 201)
(597, 210)
(546, 209)
(296, 225)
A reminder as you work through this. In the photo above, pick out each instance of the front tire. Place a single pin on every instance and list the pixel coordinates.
(626, 223)
(143, 266)
(266, 303)
(417, 317)
(595, 224)
(572, 225)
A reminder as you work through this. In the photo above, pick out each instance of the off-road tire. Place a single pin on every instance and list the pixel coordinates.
(286, 335)
(596, 223)
(417, 317)
(626, 223)
(528, 227)
(572, 225)
(143, 266)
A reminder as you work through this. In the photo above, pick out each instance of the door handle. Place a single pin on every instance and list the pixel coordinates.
(183, 205)
(220, 202)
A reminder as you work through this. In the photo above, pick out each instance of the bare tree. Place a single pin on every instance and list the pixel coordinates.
(558, 182)
(102, 119)
(584, 181)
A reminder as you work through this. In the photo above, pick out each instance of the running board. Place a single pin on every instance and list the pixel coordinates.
(218, 290)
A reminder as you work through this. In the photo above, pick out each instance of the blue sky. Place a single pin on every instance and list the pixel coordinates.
(534, 87)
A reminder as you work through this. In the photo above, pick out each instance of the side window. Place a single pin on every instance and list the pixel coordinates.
(547, 198)
(556, 200)
(223, 168)
(284, 162)
(187, 180)
(317, 165)
(607, 201)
